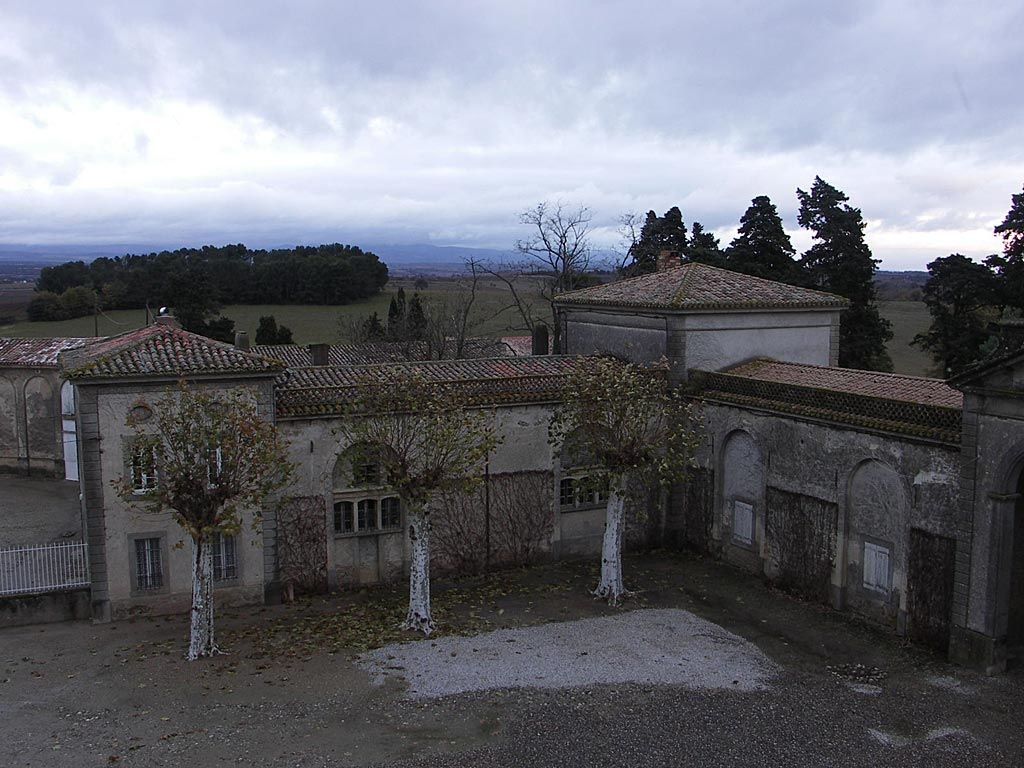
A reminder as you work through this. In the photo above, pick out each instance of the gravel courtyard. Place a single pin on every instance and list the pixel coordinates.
(329, 682)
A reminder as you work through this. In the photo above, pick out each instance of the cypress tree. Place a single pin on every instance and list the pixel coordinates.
(841, 262)
(762, 247)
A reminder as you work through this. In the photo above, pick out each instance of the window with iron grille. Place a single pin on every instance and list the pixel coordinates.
(149, 574)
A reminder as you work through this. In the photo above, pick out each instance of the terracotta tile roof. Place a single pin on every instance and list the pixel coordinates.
(297, 355)
(891, 386)
(35, 353)
(520, 345)
(325, 390)
(160, 350)
(700, 287)
(903, 405)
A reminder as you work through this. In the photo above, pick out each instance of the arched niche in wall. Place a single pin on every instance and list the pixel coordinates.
(742, 470)
(8, 420)
(878, 516)
(40, 412)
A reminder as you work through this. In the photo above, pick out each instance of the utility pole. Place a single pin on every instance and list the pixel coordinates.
(95, 312)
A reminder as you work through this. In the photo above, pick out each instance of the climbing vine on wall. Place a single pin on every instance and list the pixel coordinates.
(802, 542)
(698, 492)
(302, 543)
(521, 518)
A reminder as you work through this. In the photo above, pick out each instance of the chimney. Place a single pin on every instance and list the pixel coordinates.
(242, 341)
(668, 260)
(539, 345)
(319, 354)
(166, 318)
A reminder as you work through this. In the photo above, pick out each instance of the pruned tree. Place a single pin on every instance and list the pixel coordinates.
(426, 439)
(635, 430)
(215, 459)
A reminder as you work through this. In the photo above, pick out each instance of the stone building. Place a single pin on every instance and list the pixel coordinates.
(895, 497)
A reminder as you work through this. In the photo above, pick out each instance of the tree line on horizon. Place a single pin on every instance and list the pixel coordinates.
(196, 282)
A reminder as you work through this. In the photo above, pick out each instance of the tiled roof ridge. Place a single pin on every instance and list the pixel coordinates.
(680, 296)
(182, 357)
(890, 374)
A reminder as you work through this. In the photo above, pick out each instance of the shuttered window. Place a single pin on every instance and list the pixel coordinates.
(743, 522)
(876, 568)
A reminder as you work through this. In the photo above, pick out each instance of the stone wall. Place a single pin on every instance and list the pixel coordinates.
(30, 427)
(867, 490)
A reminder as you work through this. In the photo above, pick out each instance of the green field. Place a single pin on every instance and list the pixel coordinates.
(309, 324)
(908, 318)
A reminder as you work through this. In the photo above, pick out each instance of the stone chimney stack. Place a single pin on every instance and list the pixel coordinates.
(669, 260)
(539, 345)
(242, 341)
(166, 318)
(319, 354)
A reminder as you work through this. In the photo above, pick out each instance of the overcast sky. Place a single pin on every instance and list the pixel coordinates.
(274, 123)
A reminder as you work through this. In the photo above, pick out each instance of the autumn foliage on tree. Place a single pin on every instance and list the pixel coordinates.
(635, 430)
(216, 460)
(427, 440)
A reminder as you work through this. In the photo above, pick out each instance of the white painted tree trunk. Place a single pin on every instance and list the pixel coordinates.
(201, 634)
(610, 587)
(419, 617)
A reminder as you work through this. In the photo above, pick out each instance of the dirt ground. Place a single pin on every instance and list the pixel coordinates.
(289, 691)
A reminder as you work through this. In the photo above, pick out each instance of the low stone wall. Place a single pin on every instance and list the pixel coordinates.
(44, 609)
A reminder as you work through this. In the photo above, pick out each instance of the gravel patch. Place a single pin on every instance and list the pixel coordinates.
(660, 647)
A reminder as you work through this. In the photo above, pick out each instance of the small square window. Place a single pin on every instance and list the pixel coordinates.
(225, 563)
(743, 522)
(344, 517)
(390, 513)
(876, 568)
(149, 574)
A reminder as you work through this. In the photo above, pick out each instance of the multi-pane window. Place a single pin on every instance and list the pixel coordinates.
(225, 561)
(876, 568)
(362, 501)
(367, 515)
(581, 492)
(143, 466)
(149, 573)
(390, 513)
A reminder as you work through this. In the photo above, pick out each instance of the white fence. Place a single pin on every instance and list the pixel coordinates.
(44, 568)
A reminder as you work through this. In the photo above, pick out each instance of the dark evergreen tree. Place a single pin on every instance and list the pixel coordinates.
(372, 329)
(762, 248)
(658, 233)
(840, 262)
(704, 247)
(416, 319)
(269, 332)
(959, 294)
(1009, 266)
(397, 316)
